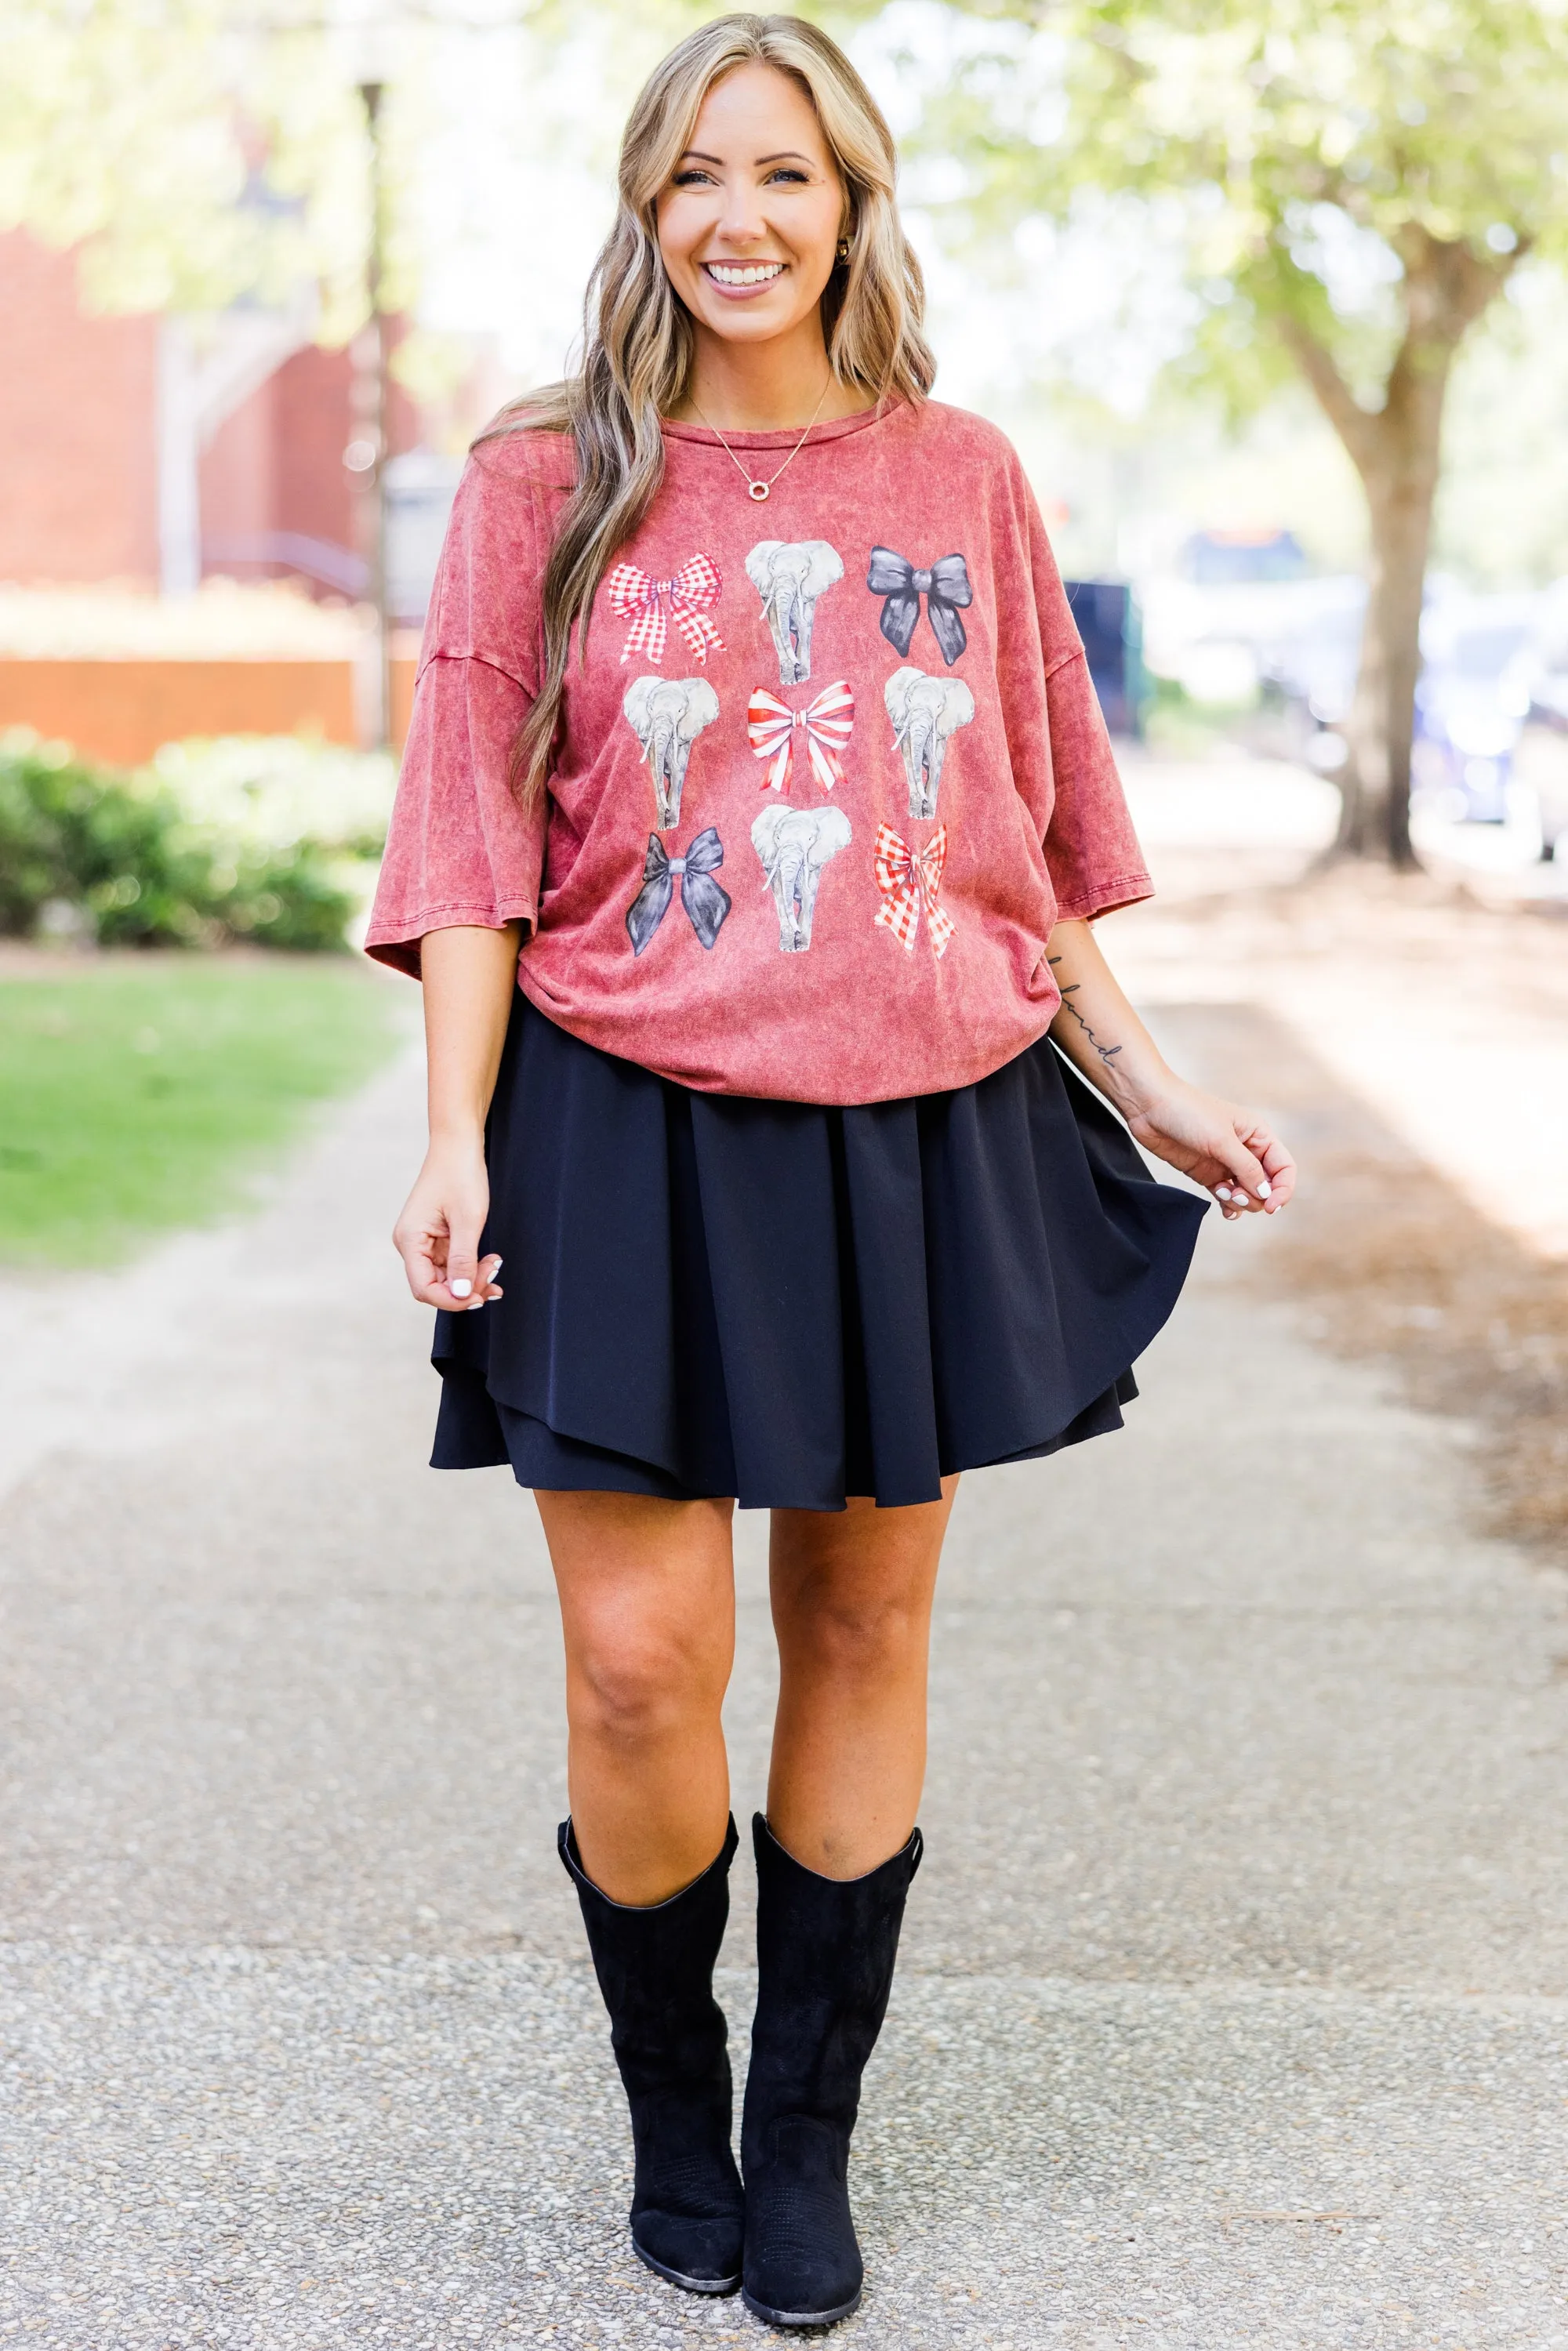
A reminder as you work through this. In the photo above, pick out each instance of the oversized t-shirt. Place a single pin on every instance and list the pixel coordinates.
(830, 766)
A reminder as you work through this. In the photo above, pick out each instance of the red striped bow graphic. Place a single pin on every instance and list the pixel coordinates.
(907, 882)
(686, 597)
(825, 725)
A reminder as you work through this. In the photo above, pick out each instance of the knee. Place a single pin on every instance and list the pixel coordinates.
(633, 1687)
(859, 1638)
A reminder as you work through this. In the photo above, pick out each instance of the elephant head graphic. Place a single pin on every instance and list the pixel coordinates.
(794, 844)
(789, 578)
(924, 711)
(668, 714)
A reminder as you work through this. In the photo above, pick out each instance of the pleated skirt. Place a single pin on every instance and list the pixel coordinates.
(708, 1294)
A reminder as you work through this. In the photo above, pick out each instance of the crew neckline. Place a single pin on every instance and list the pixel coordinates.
(834, 429)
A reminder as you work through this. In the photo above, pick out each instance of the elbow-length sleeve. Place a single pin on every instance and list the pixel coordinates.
(460, 850)
(1063, 763)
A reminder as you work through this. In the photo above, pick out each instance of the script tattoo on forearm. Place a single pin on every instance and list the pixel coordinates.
(1107, 1052)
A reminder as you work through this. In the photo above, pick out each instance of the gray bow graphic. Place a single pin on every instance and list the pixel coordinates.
(705, 902)
(945, 587)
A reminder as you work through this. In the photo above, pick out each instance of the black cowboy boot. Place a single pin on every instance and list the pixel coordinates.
(655, 1970)
(825, 1952)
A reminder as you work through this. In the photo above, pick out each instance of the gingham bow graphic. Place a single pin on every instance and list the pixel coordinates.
(686, 597)
(825, 725)
(907, 882)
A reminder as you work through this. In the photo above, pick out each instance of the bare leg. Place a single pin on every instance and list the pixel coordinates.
(851, 1609)
(647, 1603)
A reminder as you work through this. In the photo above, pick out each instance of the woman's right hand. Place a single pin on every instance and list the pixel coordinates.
(437, 1235)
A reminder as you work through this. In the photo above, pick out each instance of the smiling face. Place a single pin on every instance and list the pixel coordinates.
(750, 223)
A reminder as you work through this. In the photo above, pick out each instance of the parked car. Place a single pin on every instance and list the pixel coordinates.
(1470, 703)
(1242, 613)
(1241, 558)
(1540, 753)
(1309, 662)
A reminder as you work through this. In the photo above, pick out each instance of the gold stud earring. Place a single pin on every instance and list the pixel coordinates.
(843, 248)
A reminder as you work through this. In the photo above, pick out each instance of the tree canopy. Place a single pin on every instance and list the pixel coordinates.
(1352, 181)
(193, 151)
(1356, 180)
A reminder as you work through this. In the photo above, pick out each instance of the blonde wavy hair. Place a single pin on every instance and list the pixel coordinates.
(637, 334)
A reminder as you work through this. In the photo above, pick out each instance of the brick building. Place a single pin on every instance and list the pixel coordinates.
(155, 452)
(79, 491)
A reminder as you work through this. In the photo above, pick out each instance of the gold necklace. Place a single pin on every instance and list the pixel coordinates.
(758, 489)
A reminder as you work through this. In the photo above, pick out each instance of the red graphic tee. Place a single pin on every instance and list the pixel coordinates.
(829, 771)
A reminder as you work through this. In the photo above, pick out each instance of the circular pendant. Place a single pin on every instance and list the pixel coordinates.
(758, 490)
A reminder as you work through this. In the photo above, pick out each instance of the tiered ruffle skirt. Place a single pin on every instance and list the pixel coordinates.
(707, 1294)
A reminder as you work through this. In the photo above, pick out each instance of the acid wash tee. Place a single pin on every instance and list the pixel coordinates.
(831, 764)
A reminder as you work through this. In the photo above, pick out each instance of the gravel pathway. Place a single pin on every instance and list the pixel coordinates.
(1233, 2011)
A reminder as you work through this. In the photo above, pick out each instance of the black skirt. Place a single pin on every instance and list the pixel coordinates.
(707, 1294)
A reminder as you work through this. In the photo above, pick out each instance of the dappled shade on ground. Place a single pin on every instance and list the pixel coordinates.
(1394, 1265)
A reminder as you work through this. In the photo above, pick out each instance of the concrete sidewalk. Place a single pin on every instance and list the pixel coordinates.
(1450, 1014)
(1233, 2006)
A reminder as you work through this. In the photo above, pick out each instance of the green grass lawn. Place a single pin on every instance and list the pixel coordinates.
(137, 1096)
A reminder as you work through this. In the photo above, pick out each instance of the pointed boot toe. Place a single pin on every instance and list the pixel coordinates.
(689, 2213)
(803, 2264)
(656, 1969)
(703, 2256)
(825, 1951)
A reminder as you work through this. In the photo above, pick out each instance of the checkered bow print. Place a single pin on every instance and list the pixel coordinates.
(824, 726)
(653, 602)
(907, 882)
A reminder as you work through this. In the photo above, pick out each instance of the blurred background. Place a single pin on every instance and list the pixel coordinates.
(1273, 301)
(1231, 2010)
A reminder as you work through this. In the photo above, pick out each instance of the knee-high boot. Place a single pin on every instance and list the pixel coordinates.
(825, 1952)
(655, 1970)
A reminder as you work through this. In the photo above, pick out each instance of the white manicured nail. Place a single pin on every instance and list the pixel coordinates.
(496, 1268)
(1264, 1190)
(1222, 1191)
(461, 1288)
(477, 1307)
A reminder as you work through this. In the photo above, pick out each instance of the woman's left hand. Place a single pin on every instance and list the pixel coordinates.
(1227, 1150)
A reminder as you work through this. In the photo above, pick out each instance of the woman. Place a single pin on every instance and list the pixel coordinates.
(794, 852)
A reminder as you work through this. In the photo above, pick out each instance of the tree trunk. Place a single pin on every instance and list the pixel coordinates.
(1374, 811)
(1396, 450)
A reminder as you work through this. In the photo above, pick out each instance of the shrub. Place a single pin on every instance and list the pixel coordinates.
(281, 788)
(120, 854)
